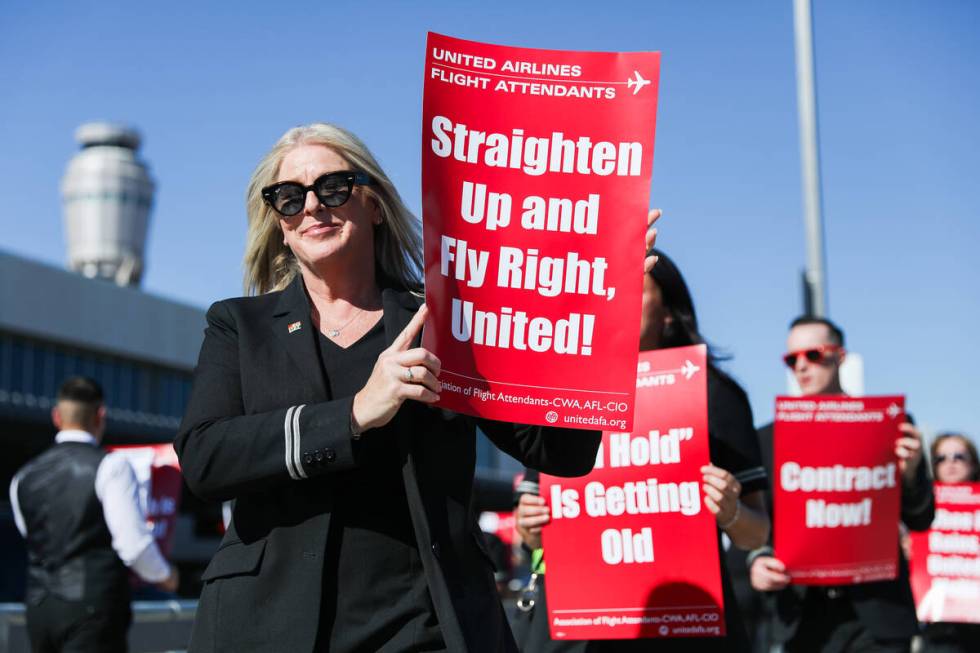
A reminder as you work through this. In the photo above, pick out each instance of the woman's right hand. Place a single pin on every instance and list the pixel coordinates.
(531, 515)
(399, 374)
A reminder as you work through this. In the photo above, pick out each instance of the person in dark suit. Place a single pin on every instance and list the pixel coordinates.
(878, 616)
(352, 528)
(78, 507)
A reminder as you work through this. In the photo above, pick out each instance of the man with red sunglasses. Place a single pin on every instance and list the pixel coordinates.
(876, 616)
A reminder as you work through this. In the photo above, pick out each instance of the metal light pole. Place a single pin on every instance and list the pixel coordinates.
(814, 280)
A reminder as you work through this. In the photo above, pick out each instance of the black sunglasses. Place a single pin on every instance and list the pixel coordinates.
(959, 457)
(332, 189)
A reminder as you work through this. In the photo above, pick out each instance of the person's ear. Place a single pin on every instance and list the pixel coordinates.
(98, 426)
(56, 417)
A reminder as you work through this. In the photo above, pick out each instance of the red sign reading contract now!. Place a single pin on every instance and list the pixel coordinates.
(631, 551)
(837, 488)
(536, 170)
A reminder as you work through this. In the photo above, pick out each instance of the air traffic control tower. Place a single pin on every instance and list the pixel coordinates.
(107, 193)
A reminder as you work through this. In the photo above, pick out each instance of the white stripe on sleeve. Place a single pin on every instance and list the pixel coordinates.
(288, 430)
(296, 442)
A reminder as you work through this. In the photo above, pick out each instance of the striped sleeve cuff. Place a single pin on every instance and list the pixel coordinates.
(294, 464)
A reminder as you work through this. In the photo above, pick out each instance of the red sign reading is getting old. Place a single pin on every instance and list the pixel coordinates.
(631, 551)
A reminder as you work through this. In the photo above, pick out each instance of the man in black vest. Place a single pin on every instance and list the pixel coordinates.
(78, 507)
(878, 616)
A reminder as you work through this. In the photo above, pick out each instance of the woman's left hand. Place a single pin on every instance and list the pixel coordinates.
(651, 239)
(721, 493)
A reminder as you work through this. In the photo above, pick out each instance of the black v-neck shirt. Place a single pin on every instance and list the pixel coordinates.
(375, 597)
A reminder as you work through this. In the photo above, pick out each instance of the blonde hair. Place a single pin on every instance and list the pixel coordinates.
(270, 265)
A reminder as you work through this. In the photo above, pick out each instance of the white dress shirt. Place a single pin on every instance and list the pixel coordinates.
(118, 491)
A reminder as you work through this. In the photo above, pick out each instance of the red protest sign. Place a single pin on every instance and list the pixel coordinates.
(536, 170)
(945, 564)
(631, 551)
(837, 488)
(158, 474)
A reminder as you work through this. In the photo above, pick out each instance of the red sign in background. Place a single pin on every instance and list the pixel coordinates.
(631, 550)
(837, 488)
(158, 474)
(945, 564)
(536, 169)
(501, 524)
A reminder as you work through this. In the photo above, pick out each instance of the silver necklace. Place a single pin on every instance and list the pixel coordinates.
(333, 333)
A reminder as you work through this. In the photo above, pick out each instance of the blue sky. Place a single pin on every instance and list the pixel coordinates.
(212, 87)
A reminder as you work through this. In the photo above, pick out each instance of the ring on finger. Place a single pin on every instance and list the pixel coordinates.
(409, 377)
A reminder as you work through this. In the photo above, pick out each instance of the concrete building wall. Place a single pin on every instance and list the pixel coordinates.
(53, 304)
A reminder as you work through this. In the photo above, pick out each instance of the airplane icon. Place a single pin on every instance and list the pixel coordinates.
(893, 410)
(689, 369)
(637, 81)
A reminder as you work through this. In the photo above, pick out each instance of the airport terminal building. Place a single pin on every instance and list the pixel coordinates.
(92, 319)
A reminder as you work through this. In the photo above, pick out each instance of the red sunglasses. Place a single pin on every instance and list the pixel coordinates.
(814, 355)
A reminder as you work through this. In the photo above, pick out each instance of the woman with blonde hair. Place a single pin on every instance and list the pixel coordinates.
(352, 527)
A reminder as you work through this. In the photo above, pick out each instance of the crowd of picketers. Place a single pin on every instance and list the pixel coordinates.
(764, 610)
(311, 415)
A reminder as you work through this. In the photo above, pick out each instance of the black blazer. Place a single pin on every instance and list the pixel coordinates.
(259, 429)
(885, 608)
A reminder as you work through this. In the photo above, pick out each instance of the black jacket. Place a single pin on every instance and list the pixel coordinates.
(259, 429)
(885, 608)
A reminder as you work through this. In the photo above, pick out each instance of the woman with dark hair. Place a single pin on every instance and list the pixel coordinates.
(954, 460)
(733, 485)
